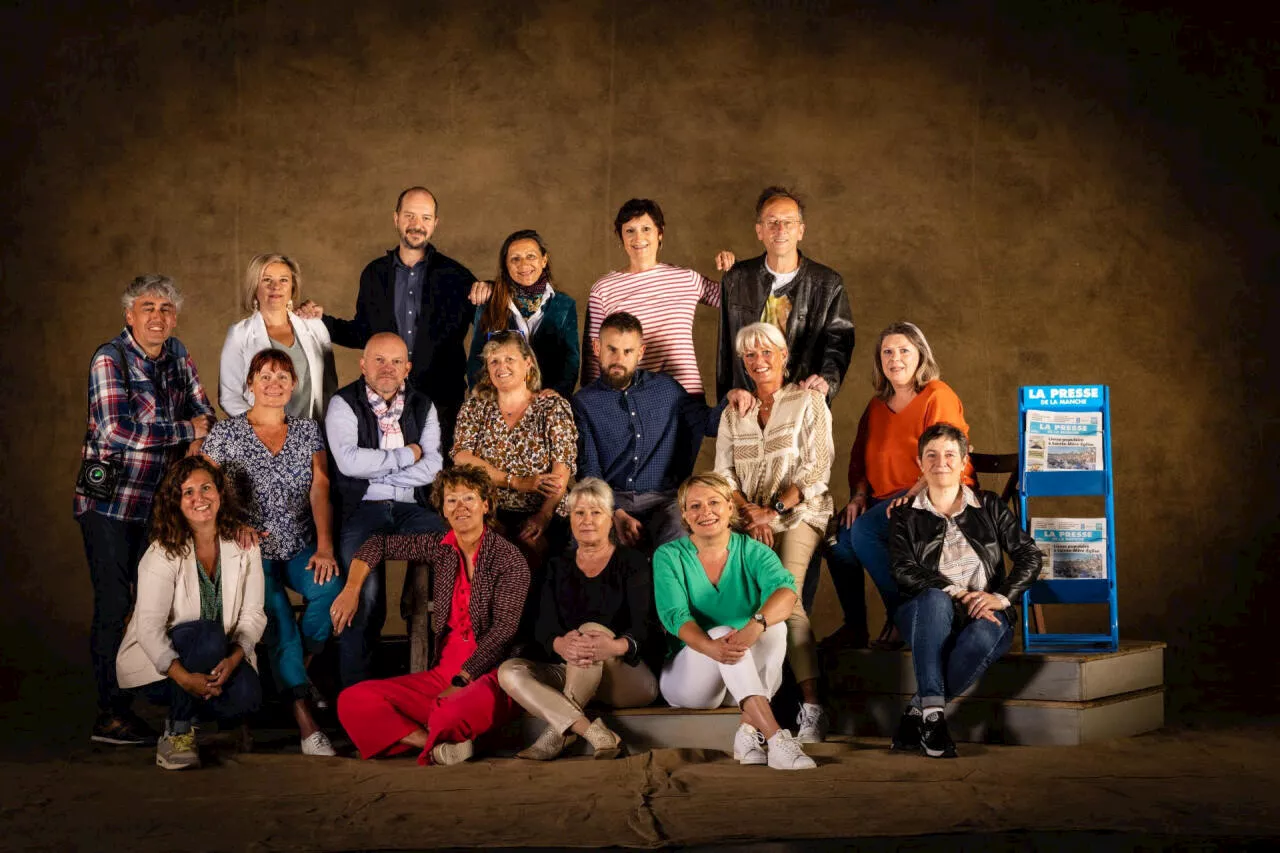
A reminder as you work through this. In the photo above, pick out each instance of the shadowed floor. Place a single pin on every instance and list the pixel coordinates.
(1203, 784)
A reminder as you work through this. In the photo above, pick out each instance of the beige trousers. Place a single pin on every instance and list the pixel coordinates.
(557, 692)
(794, 548)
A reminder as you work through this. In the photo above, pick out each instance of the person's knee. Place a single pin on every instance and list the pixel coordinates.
(512, 673)
(935, 601)
(200, 644)
(719, 631)
(595, 628)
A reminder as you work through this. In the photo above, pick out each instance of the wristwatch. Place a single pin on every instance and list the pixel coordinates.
(779, 507)
(459, 681)
(759, 617)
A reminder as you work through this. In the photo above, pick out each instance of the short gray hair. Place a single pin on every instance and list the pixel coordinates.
(592, 489)
(756, 333)
(154, 284)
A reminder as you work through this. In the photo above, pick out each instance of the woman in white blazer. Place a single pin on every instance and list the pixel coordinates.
(271, 288)
(199, 612)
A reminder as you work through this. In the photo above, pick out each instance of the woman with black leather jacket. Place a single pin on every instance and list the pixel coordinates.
(946, 550)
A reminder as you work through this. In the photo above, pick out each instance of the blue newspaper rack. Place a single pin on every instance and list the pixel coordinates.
(1034, 484)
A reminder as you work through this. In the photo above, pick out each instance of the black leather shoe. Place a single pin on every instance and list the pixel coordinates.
(935, 740)
(907, 737)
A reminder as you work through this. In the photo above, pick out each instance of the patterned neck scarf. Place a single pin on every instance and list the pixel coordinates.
(529, 299)
(388, 417)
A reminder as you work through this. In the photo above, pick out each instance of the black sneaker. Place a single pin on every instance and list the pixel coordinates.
(907, 737)
(935, 740)
(121, 731)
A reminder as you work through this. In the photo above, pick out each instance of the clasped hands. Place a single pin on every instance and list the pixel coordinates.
(982, 605)
(732, 646)
(583, 648)
(207, 686)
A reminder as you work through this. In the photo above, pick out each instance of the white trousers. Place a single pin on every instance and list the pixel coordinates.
(693, 680)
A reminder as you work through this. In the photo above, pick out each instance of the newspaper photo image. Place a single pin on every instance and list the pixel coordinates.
(1073, 548)
(1064, 441)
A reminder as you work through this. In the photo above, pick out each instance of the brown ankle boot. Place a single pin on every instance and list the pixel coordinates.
(603, 740)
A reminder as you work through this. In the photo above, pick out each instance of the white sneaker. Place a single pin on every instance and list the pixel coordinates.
(748, 745)
(445, 753)
(317, 744)
(813, 724)
(785, 753)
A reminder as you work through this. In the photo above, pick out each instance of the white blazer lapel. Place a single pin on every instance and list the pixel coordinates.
(231, 558)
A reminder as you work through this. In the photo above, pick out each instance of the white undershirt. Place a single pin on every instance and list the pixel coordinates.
(781, 279)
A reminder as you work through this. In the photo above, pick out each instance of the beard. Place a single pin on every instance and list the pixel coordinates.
(413, 239)
(618, 382)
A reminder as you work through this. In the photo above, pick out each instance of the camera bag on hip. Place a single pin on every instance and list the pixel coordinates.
(98, 478)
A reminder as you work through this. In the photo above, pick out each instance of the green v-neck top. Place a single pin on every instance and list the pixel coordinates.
(682, 591)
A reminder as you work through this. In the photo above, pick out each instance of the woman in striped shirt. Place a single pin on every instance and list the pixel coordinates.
(662, 296)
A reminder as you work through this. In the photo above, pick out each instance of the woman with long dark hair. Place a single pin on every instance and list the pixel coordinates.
(525, 301)
(198, 613)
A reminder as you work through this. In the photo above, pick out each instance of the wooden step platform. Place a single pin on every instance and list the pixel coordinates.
(657, 728)
(1059, 699)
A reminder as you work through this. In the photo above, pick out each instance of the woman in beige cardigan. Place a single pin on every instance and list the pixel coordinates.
(198, 613)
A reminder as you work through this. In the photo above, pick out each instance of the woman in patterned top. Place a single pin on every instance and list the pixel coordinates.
(479, 583)
(198, 614)
(778, 459)
(525, 442)
(279, 465)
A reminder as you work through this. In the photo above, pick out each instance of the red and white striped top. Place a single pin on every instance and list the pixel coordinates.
(663, 299)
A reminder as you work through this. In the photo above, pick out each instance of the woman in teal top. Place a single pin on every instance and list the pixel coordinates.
(726, 597)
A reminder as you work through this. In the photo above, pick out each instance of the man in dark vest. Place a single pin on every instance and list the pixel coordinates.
(384, 439)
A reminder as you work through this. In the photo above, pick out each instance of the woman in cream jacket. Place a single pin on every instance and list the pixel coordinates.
(271, 288)
(199, 612)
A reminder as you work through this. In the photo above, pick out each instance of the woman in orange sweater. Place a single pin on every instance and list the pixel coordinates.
(883, 472)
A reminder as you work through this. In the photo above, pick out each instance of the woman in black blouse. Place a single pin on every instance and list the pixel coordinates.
(595, 630)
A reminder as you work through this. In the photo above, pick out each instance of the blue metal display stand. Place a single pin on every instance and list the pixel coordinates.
(1069, 398)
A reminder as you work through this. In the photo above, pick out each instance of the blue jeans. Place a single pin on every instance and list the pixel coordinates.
(113, 549)
(948, 650)
(355, 657)
(286, 642)
(200, 646)
(865, 544)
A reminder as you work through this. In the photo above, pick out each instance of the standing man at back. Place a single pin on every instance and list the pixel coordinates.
(803, 298)
(422, 296)
(146, 406)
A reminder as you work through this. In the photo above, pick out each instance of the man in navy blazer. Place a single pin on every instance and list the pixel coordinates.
(422, 296)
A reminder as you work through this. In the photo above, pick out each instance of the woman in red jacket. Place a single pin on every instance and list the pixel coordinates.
(883, 472)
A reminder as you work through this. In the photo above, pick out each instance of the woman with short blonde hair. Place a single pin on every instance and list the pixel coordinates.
(272, 287)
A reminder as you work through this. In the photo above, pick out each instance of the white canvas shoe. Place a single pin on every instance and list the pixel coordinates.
(748, 745)
(317, 743)
(785, 753)
(813, 724)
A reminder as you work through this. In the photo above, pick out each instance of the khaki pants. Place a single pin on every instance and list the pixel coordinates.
(557, 692)
(795, 548)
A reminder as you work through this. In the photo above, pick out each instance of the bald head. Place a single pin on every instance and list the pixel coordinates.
(385, 364)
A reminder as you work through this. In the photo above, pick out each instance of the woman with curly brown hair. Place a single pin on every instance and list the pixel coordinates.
(198, 614)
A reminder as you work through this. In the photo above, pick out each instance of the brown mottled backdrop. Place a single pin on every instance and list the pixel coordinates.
(1070, 194)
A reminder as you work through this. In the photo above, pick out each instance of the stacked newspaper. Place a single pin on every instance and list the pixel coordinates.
(1073, 548)
(1063, 441)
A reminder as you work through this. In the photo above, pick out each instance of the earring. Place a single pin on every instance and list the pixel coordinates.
(255, 303)
(288, 306)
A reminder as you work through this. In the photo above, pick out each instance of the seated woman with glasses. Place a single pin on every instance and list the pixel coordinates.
(525, 301)
(525, 442)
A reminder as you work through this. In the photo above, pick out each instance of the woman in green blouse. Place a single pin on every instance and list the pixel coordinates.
(725, 597)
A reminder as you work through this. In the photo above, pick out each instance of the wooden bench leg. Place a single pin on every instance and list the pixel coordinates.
(417, 612)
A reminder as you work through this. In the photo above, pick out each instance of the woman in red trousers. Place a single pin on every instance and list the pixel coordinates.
(479, 585)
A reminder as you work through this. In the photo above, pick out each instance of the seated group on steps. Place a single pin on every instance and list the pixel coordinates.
(571, 556)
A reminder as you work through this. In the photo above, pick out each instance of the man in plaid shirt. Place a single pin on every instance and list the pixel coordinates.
(141, 423)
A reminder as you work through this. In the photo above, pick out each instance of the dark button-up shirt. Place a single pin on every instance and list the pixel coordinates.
(408, 298)
(643, 438)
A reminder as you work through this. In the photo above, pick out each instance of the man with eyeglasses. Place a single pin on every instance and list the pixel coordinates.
(421, 295)
(803, 298)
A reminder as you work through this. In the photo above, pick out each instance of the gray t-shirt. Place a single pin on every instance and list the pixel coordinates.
(300, 403)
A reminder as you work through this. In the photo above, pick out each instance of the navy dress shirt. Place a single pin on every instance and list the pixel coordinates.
(408, 298)
(644, 438)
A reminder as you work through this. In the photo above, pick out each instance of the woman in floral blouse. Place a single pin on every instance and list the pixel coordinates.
(525, 442)
(777, 458)
(278, 464)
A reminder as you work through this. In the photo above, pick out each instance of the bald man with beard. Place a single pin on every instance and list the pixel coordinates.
(384, 440)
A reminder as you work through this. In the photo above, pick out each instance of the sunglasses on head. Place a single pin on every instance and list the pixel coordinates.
(503, 335)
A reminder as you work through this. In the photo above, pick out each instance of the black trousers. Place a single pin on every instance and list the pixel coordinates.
(113, 549)
(200, 645)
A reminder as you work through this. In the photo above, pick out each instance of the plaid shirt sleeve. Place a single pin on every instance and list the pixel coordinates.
(111, 411)
(196, 400)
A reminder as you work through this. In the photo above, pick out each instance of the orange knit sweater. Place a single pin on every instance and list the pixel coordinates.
(884, 453)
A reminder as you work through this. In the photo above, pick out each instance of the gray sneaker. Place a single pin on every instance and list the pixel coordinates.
(812, 723)
(178, 751)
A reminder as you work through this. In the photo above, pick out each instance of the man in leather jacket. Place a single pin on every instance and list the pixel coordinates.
(803, 298)
(945, 547)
